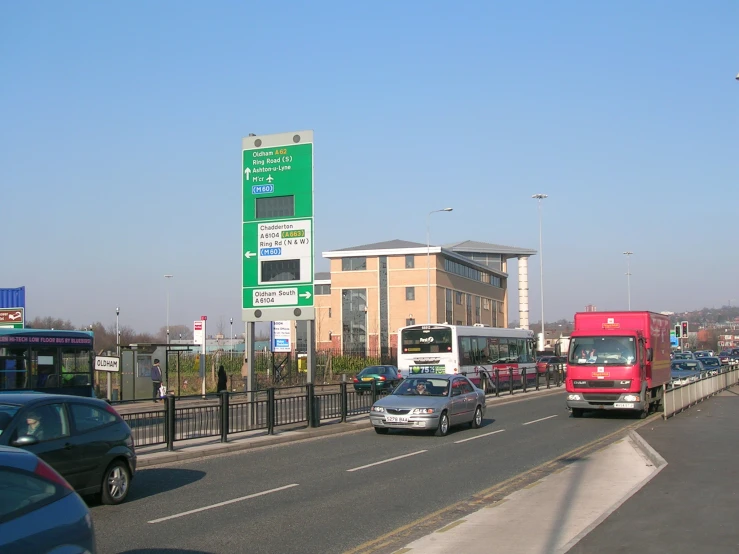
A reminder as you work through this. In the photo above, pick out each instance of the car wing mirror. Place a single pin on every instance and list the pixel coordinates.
(25, 440)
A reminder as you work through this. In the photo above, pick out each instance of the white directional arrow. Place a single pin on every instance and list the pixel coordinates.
(250, 254)
(247, 171)
(269, 178)
(305, 295)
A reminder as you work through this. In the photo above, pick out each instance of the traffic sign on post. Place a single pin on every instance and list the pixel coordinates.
(277, 254)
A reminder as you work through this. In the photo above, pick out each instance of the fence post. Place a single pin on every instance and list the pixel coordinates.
(344, 399)
(224, 416)
(510, 380)
(169, 427)
(525, 380)
(309, 408)
(538, 377)
(271, 411)
(374, 391)
(497, 382)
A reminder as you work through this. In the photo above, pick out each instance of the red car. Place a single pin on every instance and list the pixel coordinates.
(543, 363)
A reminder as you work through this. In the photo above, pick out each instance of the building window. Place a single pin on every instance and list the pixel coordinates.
(410, 321)
(469, 309)
(458, 322)
(329, 312)
(457, 268)
(485, 304)
(354, 320)
(354, 264)
(410, 261)
(449, 307)
(459, 297)
(477, 309)
(321, 289)
(410, 293)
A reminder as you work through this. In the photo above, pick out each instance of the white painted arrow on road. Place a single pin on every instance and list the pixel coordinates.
(247, 171)
(250, 254)
(305, 295)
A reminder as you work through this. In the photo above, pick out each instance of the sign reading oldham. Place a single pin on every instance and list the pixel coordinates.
(277, 240)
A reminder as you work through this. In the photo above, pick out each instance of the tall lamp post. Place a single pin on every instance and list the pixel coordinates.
(168, 277)
(539, 198)
(428, 261)
(628, 275)
(117, 333)
(232, 337)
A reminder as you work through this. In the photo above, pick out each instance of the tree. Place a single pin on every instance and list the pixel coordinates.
(50, 323)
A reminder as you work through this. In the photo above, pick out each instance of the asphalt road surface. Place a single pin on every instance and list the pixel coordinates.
(334, 493)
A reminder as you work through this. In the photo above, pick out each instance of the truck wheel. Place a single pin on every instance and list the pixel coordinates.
(577, 412)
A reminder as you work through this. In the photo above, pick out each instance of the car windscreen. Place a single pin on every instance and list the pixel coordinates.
(602, 350)
(424, 386)
(7, 411)
(686, 366)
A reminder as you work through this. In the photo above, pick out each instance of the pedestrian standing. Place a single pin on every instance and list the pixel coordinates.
(222, 379)
(156, 379)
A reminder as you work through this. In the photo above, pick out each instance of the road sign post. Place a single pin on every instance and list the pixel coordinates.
(277, 240)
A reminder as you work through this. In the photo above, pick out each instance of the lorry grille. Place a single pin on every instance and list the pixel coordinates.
(601, 397)
(600, 384)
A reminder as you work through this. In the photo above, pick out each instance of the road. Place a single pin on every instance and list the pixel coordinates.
(334, 493)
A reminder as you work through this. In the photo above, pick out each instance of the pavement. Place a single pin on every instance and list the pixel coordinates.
(665, 487)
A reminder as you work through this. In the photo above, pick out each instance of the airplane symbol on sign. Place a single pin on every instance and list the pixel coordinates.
(270, 178)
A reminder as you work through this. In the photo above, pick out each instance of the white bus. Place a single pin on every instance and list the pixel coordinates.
(475, 351)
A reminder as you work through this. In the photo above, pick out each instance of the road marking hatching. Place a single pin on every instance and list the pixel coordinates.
(388, 460)
(219, 504)
(537, 420)
(480, 436)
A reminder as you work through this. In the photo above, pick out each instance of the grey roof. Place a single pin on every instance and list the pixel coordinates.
(474, 246)
(322, 276)
(386, 245)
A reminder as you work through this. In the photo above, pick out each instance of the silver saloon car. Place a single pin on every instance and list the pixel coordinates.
(430, 402)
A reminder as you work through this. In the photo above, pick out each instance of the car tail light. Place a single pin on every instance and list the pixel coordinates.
(45, 471)
(356, 380)
(382, 378)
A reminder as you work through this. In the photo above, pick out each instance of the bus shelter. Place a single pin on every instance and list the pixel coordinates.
(136, 363)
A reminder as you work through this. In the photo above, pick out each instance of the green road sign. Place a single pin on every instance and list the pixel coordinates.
(277, 241)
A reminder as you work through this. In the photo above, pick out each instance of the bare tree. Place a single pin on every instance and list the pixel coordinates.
(50, 323)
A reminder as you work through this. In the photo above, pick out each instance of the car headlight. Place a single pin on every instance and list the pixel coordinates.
(631, 398)
(573, 397)
(378, 409)
(422, 411)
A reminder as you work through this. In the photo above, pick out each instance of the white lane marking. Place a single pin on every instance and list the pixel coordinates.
(278, 489)
(480, 436)
(388, 460)
(537, 420)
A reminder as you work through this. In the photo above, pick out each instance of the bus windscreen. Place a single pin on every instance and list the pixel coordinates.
(425, 340)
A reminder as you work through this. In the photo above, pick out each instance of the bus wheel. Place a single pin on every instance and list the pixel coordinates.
(576, 412)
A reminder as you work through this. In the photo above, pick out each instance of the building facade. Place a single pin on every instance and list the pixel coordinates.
(375, 289)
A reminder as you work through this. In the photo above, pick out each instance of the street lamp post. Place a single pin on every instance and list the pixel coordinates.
(168, 277)
(232, 337)
(117, 333)
(539, 198)
(628, 275)
(428, 261)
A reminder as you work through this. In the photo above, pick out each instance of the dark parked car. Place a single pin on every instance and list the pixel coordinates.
(39, 511)
(386, 378)
(84, 439)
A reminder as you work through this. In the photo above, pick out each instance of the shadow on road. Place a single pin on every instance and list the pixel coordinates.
(149, 482)
(162, 551)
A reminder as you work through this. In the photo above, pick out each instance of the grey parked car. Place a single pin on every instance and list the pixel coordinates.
(433, 402)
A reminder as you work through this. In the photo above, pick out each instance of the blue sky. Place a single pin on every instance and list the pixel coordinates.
(122, 124)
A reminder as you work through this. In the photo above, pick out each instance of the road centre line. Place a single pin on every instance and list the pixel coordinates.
(388, 460)
(218, 505)
(542, 419)
(480, 436)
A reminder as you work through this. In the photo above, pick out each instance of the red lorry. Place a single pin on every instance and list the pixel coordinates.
(618, 361)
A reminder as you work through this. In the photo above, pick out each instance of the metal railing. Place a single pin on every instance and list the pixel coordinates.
(679, 397)
(227, 413)
(497, 381)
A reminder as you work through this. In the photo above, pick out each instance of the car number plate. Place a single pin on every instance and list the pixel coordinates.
(396, 419)
(366, 378)
(623, 405)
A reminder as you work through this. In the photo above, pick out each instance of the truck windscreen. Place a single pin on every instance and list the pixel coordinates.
(602, 350)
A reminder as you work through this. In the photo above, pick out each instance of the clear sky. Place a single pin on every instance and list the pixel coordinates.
(121, 127)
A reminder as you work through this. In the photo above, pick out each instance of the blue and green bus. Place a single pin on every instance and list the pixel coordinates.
(57, 362)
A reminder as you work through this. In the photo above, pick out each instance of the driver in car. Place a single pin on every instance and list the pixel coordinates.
(421, 388)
